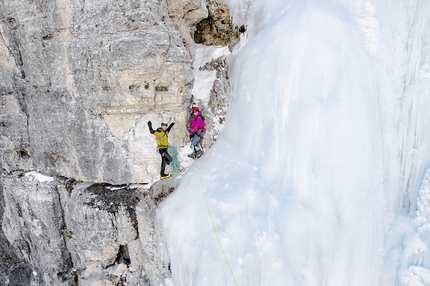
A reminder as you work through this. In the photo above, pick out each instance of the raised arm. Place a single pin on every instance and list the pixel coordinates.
(170, 127)
(150, 127)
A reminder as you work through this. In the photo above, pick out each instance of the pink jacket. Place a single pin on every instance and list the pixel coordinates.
(197, 124)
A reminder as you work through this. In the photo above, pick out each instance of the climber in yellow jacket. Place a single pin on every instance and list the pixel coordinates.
(162, 137)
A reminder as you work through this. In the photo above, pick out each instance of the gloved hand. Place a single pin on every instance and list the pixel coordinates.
(149, 123)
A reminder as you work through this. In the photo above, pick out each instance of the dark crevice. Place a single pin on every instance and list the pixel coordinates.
(11, 28)
(69, 185)
(217, 29)
(161, 88)
(111, 197)
(12, 268)
(123, 255)
(68, 273)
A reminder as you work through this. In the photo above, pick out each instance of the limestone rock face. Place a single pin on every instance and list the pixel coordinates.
(100, 221)
(185, 14)
(217, 28)
(13, 267)
(32, 222)
(79, 81)
(72, 233)
(154, 263)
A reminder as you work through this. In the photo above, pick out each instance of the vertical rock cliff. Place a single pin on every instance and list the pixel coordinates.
(79, 80)
(57, 231)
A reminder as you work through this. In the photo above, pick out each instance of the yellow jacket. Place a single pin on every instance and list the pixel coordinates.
(162, 138)
(161, 135)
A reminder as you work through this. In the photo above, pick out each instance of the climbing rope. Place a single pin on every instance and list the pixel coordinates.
(175, 166)
(216, 234)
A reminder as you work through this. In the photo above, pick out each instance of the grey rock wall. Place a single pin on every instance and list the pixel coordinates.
(80, 79)
(32, 223)
(62, 232)
(14, 270)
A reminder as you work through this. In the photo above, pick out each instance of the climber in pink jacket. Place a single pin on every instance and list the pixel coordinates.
(197, 130)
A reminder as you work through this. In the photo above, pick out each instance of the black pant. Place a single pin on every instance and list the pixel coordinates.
(166, 159)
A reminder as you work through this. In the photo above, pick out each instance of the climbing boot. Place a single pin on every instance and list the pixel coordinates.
(165, 176)
(193, 156)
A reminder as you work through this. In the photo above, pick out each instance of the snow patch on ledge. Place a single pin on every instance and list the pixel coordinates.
(38, 176)
(204, 79)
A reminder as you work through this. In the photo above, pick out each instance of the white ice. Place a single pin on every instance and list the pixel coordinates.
(315, 179)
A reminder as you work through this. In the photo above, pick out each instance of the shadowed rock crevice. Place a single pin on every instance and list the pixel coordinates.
(113, 197)
(217, 29)
(13, 270)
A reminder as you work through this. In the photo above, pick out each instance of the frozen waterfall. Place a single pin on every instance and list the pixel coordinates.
(315, 178)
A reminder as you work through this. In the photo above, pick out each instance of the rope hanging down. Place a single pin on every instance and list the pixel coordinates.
(216, 234)
(175, 166)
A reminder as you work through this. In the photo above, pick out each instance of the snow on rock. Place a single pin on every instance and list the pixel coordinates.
(204, 79)
(39, 177)
(211, 91)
